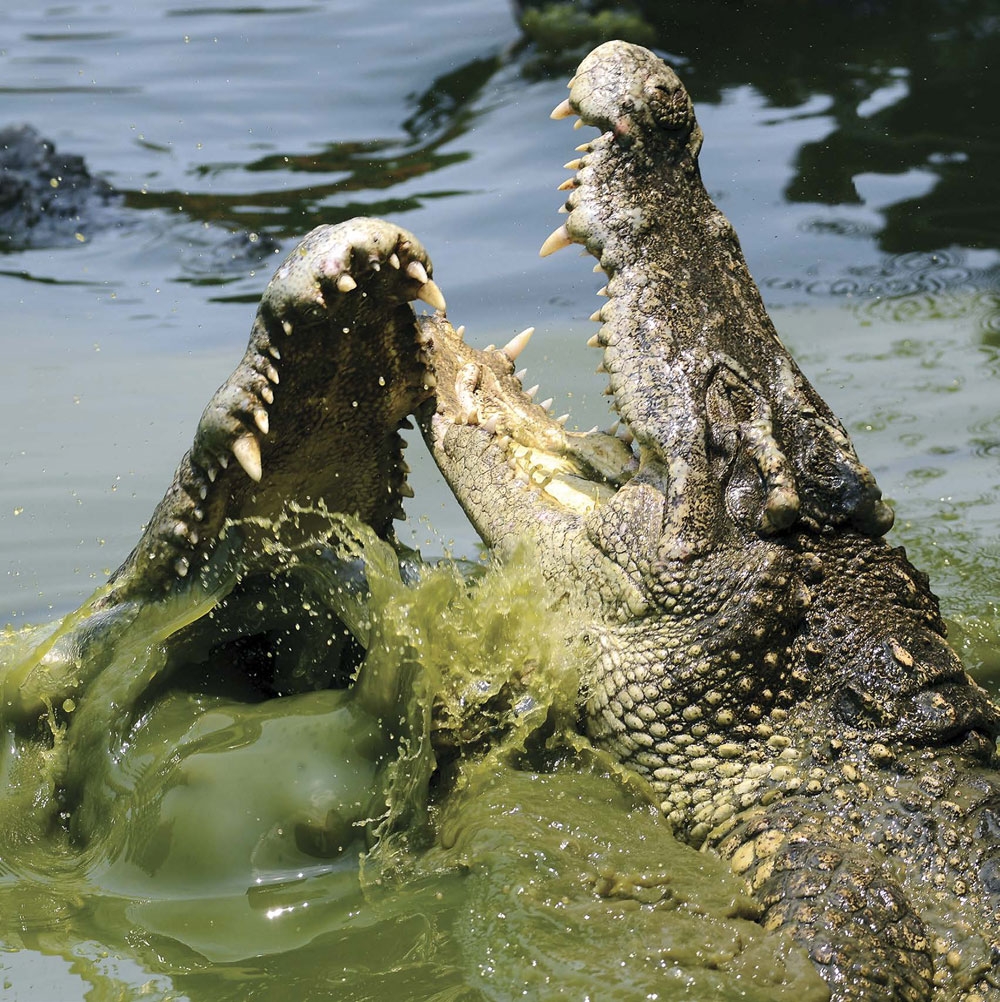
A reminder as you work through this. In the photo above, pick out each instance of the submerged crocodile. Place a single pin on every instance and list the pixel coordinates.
(776, 671)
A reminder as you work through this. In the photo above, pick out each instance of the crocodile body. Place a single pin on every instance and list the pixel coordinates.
(777, 671)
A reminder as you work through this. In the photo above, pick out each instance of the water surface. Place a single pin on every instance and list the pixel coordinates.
(856, 162)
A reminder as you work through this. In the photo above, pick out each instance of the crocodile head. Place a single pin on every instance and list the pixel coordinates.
(334, 364)
(725, 547)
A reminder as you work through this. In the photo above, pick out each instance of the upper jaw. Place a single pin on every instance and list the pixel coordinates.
(310, 415)
(718, 407)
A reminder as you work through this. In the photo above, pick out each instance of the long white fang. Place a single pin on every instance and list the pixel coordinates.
(266, 395)
(274, 353)
(562, 419)
(517, 343)
(346, 284)
(594, 341)
(247, 452)
(574, 164)
(531, 391)
(584, 147)
(555, 241)
(546, 403)
(430, 293)
(416, 270)
(260, 419)
(272, 374)
(562, 110)
(520, 374)
(596, 316)
(394, 261)
(490, 424)
(579, 124)
(286, 327)
(460, 331)
(568, 184)
(603, 291)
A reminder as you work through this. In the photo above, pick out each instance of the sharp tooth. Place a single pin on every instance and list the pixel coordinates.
(546, 403)
(520, 374)
(584, 147)
(593, 431)
(556, 240)
(563, 210)
(602, 291)
(516, 344)
(181, 566)
(223, 461)
(260, 419)
(531, 391)
(212, 474)
(578, 124)
(431, 294)
(600, 369)
(266, 395)
(345, 283)
(596, 316)
(562, 419)
(594, 341)
(286, 327)
(562, 110)
(460, 331)
(247, 452)
(598, 268)
(405, 490)
(568, 184)
(574, 164)
(274, 353)
(416, 270)
(490, 424)
(272, 374)
(394, 261)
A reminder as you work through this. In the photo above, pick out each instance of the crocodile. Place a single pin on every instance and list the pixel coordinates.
(776, 670)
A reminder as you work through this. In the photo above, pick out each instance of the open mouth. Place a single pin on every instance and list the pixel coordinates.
(710, 405)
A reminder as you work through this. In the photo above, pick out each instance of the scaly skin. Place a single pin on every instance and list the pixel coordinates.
(333, 367)
(776, 670)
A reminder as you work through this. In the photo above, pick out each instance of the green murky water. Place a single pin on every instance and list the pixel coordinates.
(229, 848)
(222, 845)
